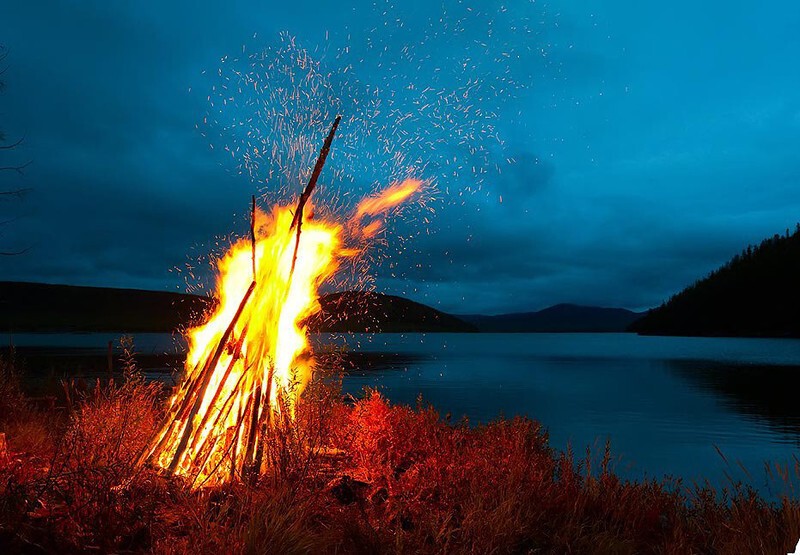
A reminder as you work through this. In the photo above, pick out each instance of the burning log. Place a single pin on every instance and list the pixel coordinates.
(297, 220)
(205, 380)
(248, 363)
(218, 420)
(194, 392)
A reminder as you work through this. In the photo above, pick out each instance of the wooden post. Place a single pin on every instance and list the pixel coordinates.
(3, 450)
(110, 359)
(253, 236)
(297, 220)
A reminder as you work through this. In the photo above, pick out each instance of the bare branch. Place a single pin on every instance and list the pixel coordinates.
(18, 169)
(14, 253)
(4, 52)
(15, 192)
(3, 56)
(13, 145)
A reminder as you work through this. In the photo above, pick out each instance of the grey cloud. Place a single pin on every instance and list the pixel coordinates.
(649, 145)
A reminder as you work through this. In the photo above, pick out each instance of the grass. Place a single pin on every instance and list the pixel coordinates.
(350, 476)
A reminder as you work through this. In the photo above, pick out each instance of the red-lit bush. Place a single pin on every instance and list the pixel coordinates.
(365, 477)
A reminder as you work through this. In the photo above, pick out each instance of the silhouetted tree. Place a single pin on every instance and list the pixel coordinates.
(8, 162)
(755, 293)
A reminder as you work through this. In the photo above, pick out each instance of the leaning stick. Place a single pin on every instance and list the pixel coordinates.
(297, 220)
(264, 421)
(252, 432)
(193, 397)
(312, 182)
(238, 348)
(208, 372)
(235, 445)
(186, 393)
(208, 369)
(221, 416)
(255, 448)
(253, 235)
(237, 353)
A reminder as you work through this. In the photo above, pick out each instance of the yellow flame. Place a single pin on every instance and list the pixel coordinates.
(251, 359)
(266, 354)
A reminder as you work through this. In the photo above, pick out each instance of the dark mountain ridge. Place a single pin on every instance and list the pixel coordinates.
(560, 318)
(43, 307)
(364, 311)
(40, 307)
(755, 294)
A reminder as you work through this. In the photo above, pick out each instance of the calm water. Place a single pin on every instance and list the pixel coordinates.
(664, 403)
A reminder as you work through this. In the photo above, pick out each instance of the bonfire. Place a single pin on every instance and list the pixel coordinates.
(251, 360)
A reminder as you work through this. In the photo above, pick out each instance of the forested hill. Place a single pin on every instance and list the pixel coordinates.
(44, 307)
(363, 311)
(757, 293)
(561, 318)
(40, 307)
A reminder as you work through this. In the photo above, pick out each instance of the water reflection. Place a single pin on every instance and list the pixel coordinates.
(666, 404)
(765, 393)
(356, 363)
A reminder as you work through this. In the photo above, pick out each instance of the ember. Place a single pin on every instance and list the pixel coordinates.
(251, 360)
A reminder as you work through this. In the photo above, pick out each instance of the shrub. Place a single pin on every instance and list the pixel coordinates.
(367, 477)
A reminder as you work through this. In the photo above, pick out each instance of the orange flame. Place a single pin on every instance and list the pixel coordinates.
(266, 356)
(388, 198)
(251, 359)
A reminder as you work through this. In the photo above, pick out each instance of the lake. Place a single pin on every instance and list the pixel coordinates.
(665, 403)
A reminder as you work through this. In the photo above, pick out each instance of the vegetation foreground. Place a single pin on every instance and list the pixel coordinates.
(348, 476)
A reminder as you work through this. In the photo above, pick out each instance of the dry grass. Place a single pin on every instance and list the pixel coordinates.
(358, 477)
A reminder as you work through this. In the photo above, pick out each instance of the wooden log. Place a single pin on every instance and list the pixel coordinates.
(248, 430)
(312, 182)
(203, 385)
(254, 429)
(253, 236)
(221, 416)
(297, 220)
(235, 446)
(186, 394)
(4, 458)
(255, 446)
(218, 391)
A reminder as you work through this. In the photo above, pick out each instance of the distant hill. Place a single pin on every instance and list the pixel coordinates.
(558, 318)
(358, 311)
(39, 307)
(757, 293)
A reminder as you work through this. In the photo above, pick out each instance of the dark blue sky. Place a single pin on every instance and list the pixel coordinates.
(635, 145)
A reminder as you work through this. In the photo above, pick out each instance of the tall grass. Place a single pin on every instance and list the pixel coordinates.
(358, 477)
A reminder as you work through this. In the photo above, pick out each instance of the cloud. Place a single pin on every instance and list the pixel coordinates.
(634, 148)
